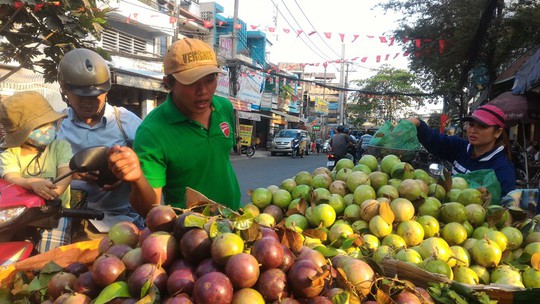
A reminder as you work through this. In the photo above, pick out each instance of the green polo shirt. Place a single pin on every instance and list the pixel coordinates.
(176, 152)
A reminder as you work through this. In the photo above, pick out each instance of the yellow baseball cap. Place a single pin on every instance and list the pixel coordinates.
(189, 60)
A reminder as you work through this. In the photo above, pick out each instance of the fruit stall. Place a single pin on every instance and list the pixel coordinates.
(376, 232)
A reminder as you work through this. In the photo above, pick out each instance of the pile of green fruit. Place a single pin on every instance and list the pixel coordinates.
(207, 255)
(403, 213)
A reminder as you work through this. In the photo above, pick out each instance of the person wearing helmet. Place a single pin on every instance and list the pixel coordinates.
(187, 140)
(85, 80)
(340, 142)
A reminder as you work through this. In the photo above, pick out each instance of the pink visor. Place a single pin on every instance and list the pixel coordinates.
(488, 115)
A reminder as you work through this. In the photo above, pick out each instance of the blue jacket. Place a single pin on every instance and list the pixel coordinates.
(458, 151)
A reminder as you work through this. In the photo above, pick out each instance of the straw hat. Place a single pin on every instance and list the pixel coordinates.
(22, 113)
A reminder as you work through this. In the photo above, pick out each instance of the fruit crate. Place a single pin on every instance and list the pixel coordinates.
(380, 152)
(504, 294)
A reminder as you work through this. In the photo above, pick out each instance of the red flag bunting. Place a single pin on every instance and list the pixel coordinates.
(172, 20)
(254, 27)
(392, 40)
(383, 39)
(207, 24)
(238, 26)
(370, 37)
(396, 56)
(418, 42)
(364, 59)
(271, 29)
(378, 58)
(405, 40)
(328, 35)
(287, 31)
(342, 37)
(312, 32)
(220, 23)
(387, 57)
(355, 37)
(18, 4)
(299, 32)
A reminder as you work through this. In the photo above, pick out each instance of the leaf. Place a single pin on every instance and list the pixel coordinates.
(243, 222)
(327, 252)
(316, 233)
(535, 261)
(51, 267)
(290, 238)
(194, 220)
(341, 298)
(146, 287)
(386, 213)
(218, 227)
(114, 290)
(251, 234)
(494, 217)
(383, 297)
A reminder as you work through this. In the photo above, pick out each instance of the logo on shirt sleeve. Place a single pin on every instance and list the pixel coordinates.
(225, 129)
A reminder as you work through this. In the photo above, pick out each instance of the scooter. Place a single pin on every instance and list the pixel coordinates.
(295, 145)
(333, 159)
(249, 151)
(23, 213)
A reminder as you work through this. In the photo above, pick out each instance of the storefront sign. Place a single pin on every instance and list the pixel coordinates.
(321, 106)
(223, 87)
(266, 101)
(240, 105)
(317, 128)
(245, 133)
(251, 85)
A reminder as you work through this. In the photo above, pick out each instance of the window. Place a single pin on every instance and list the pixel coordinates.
(114, 40)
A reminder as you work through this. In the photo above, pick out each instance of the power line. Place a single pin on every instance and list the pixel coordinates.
(318, 34)
(301, 38)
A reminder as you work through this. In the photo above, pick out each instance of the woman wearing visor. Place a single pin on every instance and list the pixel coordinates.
(486, 146)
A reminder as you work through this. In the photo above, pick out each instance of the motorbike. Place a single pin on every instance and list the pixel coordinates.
(23, 213)
(332, 160)
(295, 145)
(249, 151)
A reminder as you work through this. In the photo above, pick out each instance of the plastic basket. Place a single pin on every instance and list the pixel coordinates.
(380, 152)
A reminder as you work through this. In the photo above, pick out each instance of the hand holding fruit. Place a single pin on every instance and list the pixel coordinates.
(124, 163)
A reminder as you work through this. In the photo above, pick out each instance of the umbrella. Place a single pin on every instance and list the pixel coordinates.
(518, 108)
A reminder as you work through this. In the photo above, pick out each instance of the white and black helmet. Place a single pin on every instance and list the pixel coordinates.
(84, 73)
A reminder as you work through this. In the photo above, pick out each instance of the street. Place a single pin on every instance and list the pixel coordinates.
(264, 170)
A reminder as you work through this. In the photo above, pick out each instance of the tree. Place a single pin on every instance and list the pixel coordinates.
(36, 34)
(380, 108)
(454, 39)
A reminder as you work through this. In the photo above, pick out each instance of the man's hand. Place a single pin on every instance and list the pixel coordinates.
(124, 163)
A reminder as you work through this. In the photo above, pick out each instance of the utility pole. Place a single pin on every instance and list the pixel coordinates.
(176, 14)
(235, 31)
(342, 85)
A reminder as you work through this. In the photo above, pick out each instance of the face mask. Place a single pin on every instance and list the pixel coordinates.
(42, 137)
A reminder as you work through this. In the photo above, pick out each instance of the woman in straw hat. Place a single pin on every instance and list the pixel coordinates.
(486, 146)
(33, 157)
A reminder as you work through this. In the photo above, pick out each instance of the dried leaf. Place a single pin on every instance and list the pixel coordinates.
(251, 234)
(494, 217)
(290, 238)
(535, 261)
(316, 233)
(386, 213)
(383, 297)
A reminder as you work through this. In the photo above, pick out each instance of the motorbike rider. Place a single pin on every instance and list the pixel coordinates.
(34, 157)
(340, 143)
(299, 144)
(85, 81)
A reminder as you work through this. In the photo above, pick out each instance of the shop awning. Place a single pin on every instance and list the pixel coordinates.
(252, 116)
(289, 118)
(138, 79)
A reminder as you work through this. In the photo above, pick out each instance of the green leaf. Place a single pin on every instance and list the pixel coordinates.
(341, 298)
(145, 288)
(51, 267)
(226, 213)
(327, 252)
(114, 290)
(348, 243)
(217, 228)
(243, 222)
(193, 220)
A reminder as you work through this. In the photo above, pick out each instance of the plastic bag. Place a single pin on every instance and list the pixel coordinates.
(484, 178)
(402, 136)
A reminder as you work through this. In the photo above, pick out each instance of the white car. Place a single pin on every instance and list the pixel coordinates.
(365, 140)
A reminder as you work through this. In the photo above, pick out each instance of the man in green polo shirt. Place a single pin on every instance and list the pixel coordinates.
(186, 141)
